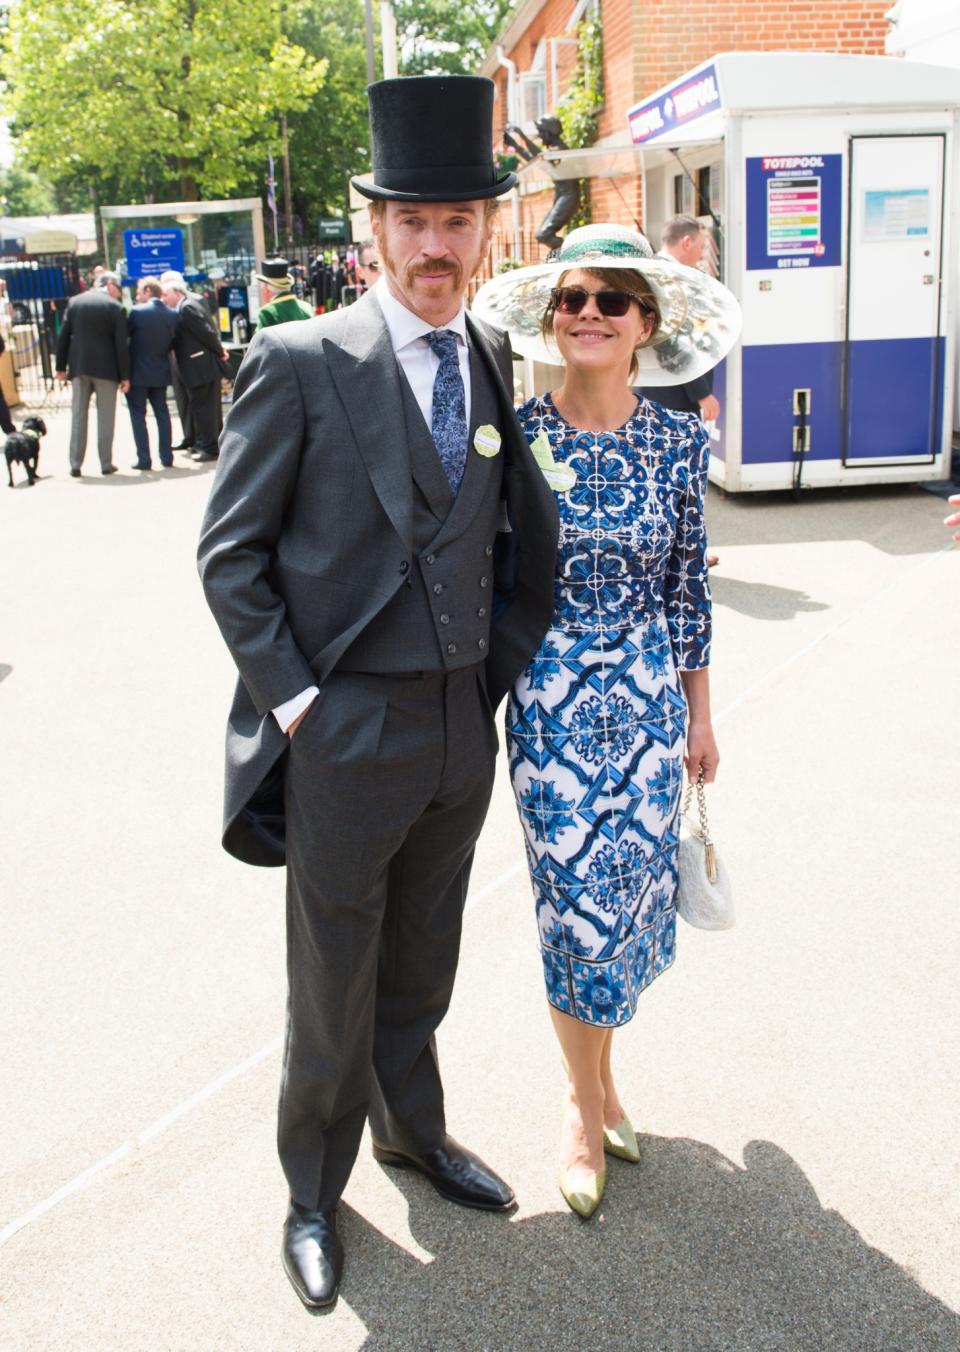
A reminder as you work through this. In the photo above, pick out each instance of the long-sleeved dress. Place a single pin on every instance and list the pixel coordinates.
(597, 722)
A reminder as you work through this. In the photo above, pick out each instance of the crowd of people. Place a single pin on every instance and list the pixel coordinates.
(169, 338)
(340, 277)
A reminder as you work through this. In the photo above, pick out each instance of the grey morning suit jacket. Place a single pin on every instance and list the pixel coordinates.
(307, 535)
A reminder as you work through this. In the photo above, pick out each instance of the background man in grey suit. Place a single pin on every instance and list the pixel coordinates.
(92, 354)
(378, 551)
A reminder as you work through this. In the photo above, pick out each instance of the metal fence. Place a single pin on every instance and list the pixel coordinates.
(38, 291)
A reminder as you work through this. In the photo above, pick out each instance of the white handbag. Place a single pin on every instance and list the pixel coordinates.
(704, 898)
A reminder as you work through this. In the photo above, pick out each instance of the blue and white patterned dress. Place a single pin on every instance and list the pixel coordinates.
(597, 722)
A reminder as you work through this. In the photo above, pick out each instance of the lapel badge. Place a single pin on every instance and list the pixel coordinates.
(486, 440)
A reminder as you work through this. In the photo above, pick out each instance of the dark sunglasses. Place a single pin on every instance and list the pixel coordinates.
(374, 266)
(570, 300)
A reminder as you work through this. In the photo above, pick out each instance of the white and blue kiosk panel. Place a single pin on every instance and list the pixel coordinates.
(842, 363)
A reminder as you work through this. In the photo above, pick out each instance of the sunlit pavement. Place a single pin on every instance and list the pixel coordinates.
(794, 1080)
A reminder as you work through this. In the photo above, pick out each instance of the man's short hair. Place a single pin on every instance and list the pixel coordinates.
(677, 227)
(362, 248)
(104, 279)
(151, 286)
(173, 281)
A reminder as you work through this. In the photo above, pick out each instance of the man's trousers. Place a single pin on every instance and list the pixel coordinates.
(83, 387)
(182, 396)
(137, 397)
(206, 414)
(387, 785)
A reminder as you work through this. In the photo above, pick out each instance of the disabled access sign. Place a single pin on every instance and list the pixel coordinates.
(150, 252)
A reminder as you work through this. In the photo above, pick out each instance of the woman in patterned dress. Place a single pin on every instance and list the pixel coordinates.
(617, 697)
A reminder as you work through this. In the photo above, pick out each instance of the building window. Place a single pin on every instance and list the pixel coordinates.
(533, 99)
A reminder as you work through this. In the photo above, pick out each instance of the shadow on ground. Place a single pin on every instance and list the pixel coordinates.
(761, 600)
(690, 1252)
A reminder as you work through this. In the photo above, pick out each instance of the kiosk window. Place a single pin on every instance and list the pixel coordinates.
(683, 195)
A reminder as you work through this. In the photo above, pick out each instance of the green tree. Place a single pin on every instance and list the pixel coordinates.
(168, 96)
(24, 194)
(446, 35)
(330, 137)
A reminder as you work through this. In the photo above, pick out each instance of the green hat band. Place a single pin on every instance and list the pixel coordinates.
(581, 251)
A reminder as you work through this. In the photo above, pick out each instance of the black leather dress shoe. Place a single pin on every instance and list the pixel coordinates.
(456, 1173)
(109, 469)
(312, 1255)
(182, 446)
(202, 456)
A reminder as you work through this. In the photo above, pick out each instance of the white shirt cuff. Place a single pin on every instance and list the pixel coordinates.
(286, 713)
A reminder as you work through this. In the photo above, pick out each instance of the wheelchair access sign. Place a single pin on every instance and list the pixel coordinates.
(150, 252)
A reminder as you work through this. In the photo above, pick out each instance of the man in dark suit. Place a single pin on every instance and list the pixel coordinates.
(199, 355)
(151, 326)
(92, 354)
(378, 550)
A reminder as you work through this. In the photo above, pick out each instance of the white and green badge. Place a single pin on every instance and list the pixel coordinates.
(559, 477)
(486, 440)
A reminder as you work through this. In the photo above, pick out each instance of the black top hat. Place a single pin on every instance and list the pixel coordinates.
(431, 140)
(275, 272)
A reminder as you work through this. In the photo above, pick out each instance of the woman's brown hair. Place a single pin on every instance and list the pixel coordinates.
(616, 279)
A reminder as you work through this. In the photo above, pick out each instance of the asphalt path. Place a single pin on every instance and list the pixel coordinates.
(794, 1080)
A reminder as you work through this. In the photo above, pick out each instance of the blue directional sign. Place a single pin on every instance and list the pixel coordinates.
(150, 252)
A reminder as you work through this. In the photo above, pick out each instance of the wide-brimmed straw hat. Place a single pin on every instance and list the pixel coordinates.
(699, 318)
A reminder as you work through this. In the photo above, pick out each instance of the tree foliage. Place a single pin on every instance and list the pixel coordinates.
(153, 100)
(330, 137)
(24, 194)
(170, 95)
(446, 35)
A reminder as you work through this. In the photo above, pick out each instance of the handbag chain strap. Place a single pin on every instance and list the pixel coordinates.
(708, 845)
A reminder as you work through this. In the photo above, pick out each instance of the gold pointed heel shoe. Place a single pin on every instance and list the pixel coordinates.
(584, 1201)
(622, 1142)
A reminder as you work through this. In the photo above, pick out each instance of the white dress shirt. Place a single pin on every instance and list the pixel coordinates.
(417, 360)
(419, 364)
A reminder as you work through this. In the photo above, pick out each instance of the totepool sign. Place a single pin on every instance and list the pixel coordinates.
(692, 97)
(793, 211)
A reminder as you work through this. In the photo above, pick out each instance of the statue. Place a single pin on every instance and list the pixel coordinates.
(566, 191)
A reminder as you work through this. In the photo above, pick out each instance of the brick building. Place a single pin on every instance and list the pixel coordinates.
(646, 45)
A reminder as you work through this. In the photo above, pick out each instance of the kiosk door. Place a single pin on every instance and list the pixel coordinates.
(893, 350)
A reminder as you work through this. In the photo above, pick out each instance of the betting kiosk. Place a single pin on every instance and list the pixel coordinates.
(829, 186)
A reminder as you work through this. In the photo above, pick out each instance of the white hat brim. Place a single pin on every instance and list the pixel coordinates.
(700, 318)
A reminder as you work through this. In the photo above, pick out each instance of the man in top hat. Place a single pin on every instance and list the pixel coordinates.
(280, 304)
(378, 551)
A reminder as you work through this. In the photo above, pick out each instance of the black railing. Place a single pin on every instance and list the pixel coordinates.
(38, 291)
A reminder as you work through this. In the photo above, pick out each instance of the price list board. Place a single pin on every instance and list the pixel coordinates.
(793, 215)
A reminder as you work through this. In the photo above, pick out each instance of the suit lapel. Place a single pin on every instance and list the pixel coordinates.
(364, 370)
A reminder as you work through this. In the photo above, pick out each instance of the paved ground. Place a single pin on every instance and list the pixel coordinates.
(795, 1079)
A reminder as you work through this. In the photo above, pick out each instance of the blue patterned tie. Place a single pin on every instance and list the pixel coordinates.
(449, 406)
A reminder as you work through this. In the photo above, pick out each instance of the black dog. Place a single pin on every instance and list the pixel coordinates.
(25, 447)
